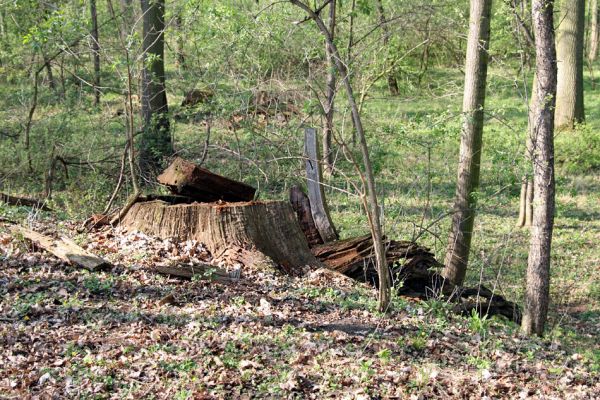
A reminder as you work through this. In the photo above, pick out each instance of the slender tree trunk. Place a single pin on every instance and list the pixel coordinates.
(95, 51)
(459, 241)
(391, 78)
(156, 140)
(51, 81)
(594, 33)
(526, 202)
(569, 48)
(370, 200)
(329, 105)
(538, 265)
(180, 43)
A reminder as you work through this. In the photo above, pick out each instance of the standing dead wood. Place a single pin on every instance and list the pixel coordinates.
(64, 248)
(316, 194)
(187, 179)
(301, 204)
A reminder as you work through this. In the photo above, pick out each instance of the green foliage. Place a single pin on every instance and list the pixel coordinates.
(578, 151)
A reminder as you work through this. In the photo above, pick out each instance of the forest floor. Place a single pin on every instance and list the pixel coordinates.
(67, 332)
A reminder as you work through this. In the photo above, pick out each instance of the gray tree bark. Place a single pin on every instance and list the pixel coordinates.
(526, 202)
(329, 102)
(569, 51)
(459, 241)
(538, 264)
(392, 81)
(155, 142)
(95, 51)
(594, 32)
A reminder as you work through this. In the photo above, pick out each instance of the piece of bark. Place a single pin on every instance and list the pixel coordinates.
(316, 194)
(202, 271)
(301, 205)
(64, 248)
(23, 201)
(187, 179)
(257, 234)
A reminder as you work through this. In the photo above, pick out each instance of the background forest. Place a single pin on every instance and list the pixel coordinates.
(242, 79)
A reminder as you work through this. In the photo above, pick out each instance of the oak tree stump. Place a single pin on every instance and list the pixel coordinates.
(255, 234)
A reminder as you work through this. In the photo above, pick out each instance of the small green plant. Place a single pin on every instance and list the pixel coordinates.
(479, 324)
(98, 286)
(385, 355)
(478, 362)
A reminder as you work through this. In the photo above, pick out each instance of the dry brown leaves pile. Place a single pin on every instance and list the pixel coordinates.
(69, 333)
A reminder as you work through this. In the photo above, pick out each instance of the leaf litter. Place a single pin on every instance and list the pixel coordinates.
(130, 333)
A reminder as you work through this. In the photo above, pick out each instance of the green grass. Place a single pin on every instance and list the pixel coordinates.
(414, 147)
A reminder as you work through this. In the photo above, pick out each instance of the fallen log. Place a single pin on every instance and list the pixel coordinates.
(200, 271)
(412, 268)
(187, 179)
(253, 234)
(64, 248)
(23, 201)
(355, 257)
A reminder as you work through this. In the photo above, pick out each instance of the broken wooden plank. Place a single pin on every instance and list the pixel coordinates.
(187, 179)
(23, 201)
(65, 249)
(200, 271)
(316, 194)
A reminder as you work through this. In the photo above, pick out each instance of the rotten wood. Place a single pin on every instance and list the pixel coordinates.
(187, 179)
(199, 271)
(63, 248)
(23, 201)
(262, 235)
(301, 205)
(413, 271)
(314, 184)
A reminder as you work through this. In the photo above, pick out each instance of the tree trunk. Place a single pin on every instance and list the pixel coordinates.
(569, 48)
(156, 140)
(180, 60)
(526, 201)
(370, 200)
(95, 51)
(254, 234)
(459, 241)
(594, 32)
(391, 78)
(538, 264)
(329, 102)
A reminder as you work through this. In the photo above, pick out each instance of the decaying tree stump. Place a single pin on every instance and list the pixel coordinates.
(301, 205)
(257, 234)
(187, 179)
